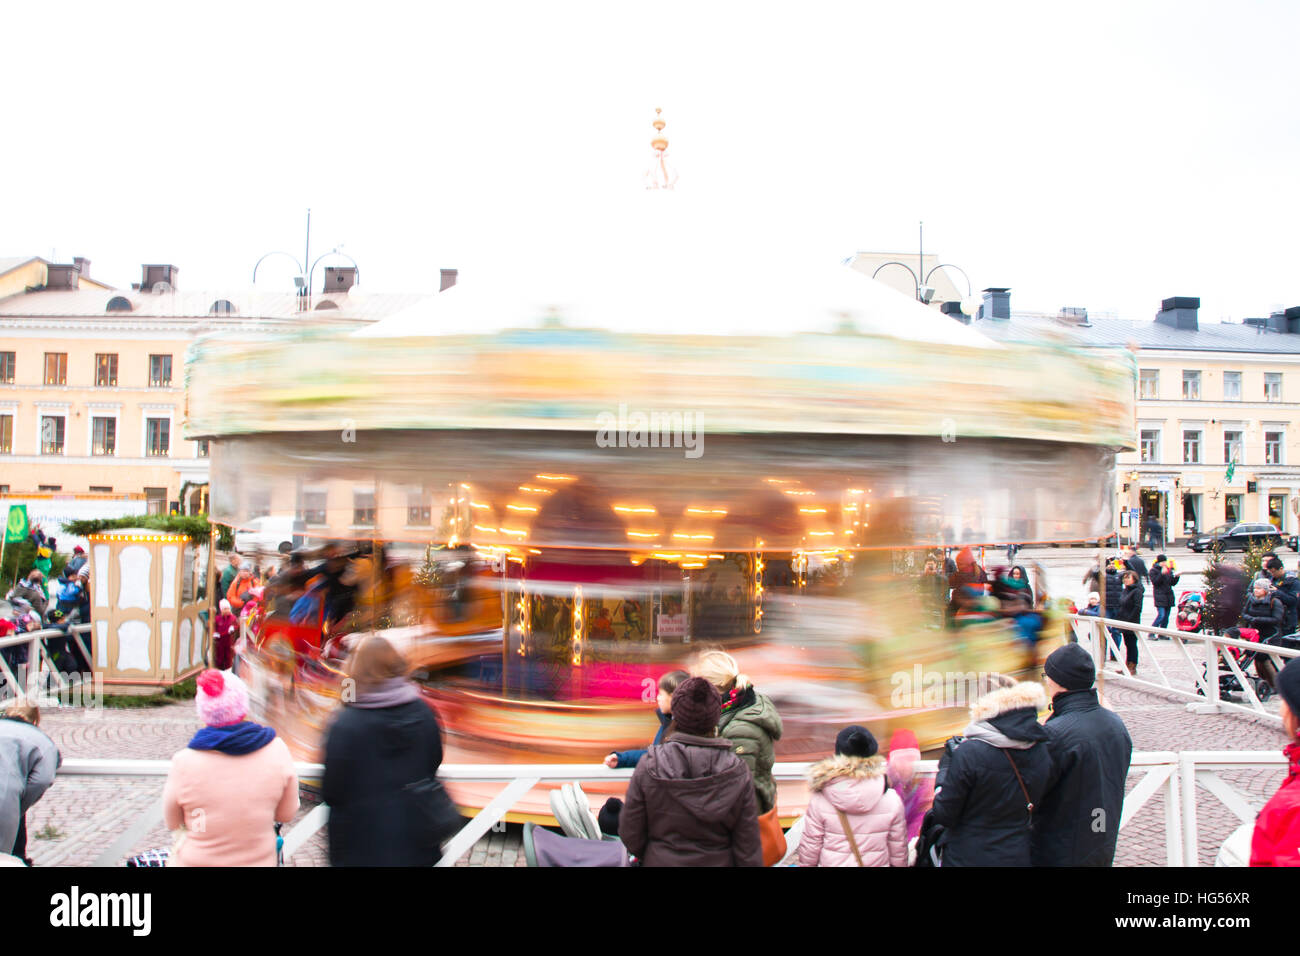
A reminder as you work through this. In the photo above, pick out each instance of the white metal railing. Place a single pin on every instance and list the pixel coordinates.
(40, 654)
(1094, 633)
(1177, 776)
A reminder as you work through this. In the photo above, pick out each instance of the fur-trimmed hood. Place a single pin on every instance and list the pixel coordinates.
(851, 784)
(841, 767)
(1006, 699)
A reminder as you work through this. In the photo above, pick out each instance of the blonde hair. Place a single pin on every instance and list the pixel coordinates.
(23, 709)
(721, 670)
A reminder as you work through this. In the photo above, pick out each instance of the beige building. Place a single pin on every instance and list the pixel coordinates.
(92, 379)
(1207, 395)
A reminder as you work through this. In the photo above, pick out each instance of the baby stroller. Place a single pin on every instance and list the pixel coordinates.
(1228, 683)
(1267, 666)
(1191, 612)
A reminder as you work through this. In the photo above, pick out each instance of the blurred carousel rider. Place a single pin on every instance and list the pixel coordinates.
(28, 762)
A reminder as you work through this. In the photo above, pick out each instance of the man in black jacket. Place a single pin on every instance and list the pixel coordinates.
(1078, 819)
(1287, 590)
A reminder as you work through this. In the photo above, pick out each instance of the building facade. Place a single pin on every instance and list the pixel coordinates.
(1218, 415)
(92, 379)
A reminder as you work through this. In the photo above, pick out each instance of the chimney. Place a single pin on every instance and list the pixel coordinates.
(448, 279)
(997, 304)
(159, 278)
(1277, 322)
(953, 311)
(61, 277)
(1293, 319)
(83, 266)
(1179, 312)
(340, 278)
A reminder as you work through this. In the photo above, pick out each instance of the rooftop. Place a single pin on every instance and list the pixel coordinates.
(87, 303)
(1107, 331)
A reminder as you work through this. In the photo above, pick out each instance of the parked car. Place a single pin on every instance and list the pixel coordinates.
(1242, 536)
(271, 534)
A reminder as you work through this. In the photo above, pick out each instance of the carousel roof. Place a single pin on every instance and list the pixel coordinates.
(666, 298)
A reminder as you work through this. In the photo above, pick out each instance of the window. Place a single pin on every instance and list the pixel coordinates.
(1272, 386)
(158, 437)
(155, 501)
(1232, 508)
(1273, 442)
(49, 487)
(313, 507)
(6, 434)
(103, 436)
(7, 362)
(105, 369)
(418, 511)
(1232, 447)
(363, 507)
(1150, 445)
(1232, 386)
(52, 434)
(102, 489)
(1149, 382)
(1192, 386)
(56, 368)
(160, 371)
(205, 448)
(1191, 446)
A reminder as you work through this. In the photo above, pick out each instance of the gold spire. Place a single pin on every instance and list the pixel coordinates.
(660, 175)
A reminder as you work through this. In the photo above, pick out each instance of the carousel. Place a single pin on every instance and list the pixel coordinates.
(549, 488)
(547, 517)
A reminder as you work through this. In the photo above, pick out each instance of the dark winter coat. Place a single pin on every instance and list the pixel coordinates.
(1265, 616)
(752, 726)
(1162, 585)
(979, 800)
(630, 758)
(1130, 605)
(1113, 587)
(370, 756)
(691, 803)
(1288, 592)
(1137, 564)
(1090, 749)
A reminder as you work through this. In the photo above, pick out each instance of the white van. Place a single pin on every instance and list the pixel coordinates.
(271, 534)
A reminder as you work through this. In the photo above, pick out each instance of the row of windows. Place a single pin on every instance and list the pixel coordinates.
(1149, 385)
(1233, 446)
(313, 511)
(56, 369)
(103, 436)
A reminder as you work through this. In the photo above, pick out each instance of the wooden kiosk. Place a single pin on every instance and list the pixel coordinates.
(146, 591)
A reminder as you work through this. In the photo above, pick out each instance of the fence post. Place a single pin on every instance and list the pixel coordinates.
(1187, 780)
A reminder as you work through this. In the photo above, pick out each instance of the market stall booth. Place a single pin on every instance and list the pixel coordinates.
(146, 592)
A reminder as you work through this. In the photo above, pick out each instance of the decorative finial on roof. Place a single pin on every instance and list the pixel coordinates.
(660, 175)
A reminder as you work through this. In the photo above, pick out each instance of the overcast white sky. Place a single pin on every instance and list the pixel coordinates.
(1104, 155)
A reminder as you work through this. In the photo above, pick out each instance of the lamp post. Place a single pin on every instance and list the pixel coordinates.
(303, 279)
(924, 292)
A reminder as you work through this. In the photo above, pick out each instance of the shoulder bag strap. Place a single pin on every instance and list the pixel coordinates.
(1029, 804)
(848, 832)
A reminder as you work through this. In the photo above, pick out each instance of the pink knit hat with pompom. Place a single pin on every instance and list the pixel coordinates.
(222, 698)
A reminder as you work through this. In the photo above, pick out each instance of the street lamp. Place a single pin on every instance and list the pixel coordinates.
(302, 280)
(924, 291)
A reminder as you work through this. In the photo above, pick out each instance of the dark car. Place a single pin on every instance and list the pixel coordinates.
(1229, 537)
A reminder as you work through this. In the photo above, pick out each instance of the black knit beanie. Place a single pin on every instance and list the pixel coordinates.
(1288, 685)
(1072, 667)
(855, 741)
(608, 817)
(696, 707)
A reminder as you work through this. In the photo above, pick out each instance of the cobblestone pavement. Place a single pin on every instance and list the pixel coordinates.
(80, 816)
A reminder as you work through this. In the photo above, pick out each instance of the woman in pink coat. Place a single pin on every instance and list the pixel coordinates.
(231, 785)
(850, 796)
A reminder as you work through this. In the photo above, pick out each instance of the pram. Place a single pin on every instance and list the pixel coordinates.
(1228, 682)
(1191, 611)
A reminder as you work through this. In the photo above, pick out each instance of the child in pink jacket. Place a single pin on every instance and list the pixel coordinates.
(850, 795)
(231, 785)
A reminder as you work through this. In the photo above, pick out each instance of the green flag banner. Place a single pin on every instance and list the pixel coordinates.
(16, 526)
(1232, 467)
